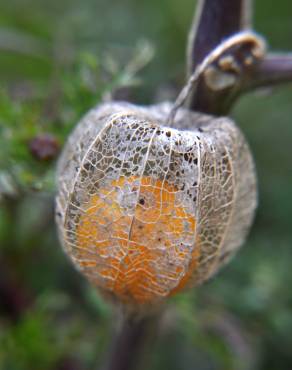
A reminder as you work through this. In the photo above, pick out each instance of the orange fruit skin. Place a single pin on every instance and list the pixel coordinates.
(136, 255)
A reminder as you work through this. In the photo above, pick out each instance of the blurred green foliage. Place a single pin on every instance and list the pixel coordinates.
(58, 59)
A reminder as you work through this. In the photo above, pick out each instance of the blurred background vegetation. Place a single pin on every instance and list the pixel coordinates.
(58, 58)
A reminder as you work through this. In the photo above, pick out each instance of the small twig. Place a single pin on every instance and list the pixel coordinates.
(274, 69)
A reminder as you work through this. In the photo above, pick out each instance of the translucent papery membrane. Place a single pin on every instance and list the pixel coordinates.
(150, 208)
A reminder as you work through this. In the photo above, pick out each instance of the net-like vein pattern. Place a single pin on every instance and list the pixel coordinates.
(145, 210)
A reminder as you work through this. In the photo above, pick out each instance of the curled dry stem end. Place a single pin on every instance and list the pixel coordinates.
(223, 67)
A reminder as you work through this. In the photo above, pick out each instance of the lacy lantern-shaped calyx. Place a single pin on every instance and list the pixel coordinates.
(152, 200)
(146, 210)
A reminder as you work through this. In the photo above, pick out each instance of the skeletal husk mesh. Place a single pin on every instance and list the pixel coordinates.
(144, 210)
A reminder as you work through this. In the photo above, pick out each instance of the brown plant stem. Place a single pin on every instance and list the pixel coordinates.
(214, 22)
(274, 69)
(127, 345)
(269, 71)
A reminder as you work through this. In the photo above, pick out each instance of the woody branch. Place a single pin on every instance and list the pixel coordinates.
(214, 22)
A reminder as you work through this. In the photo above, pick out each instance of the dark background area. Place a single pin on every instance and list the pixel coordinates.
(58, 58)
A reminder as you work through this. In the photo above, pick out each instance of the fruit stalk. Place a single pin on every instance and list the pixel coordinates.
(127, 345)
